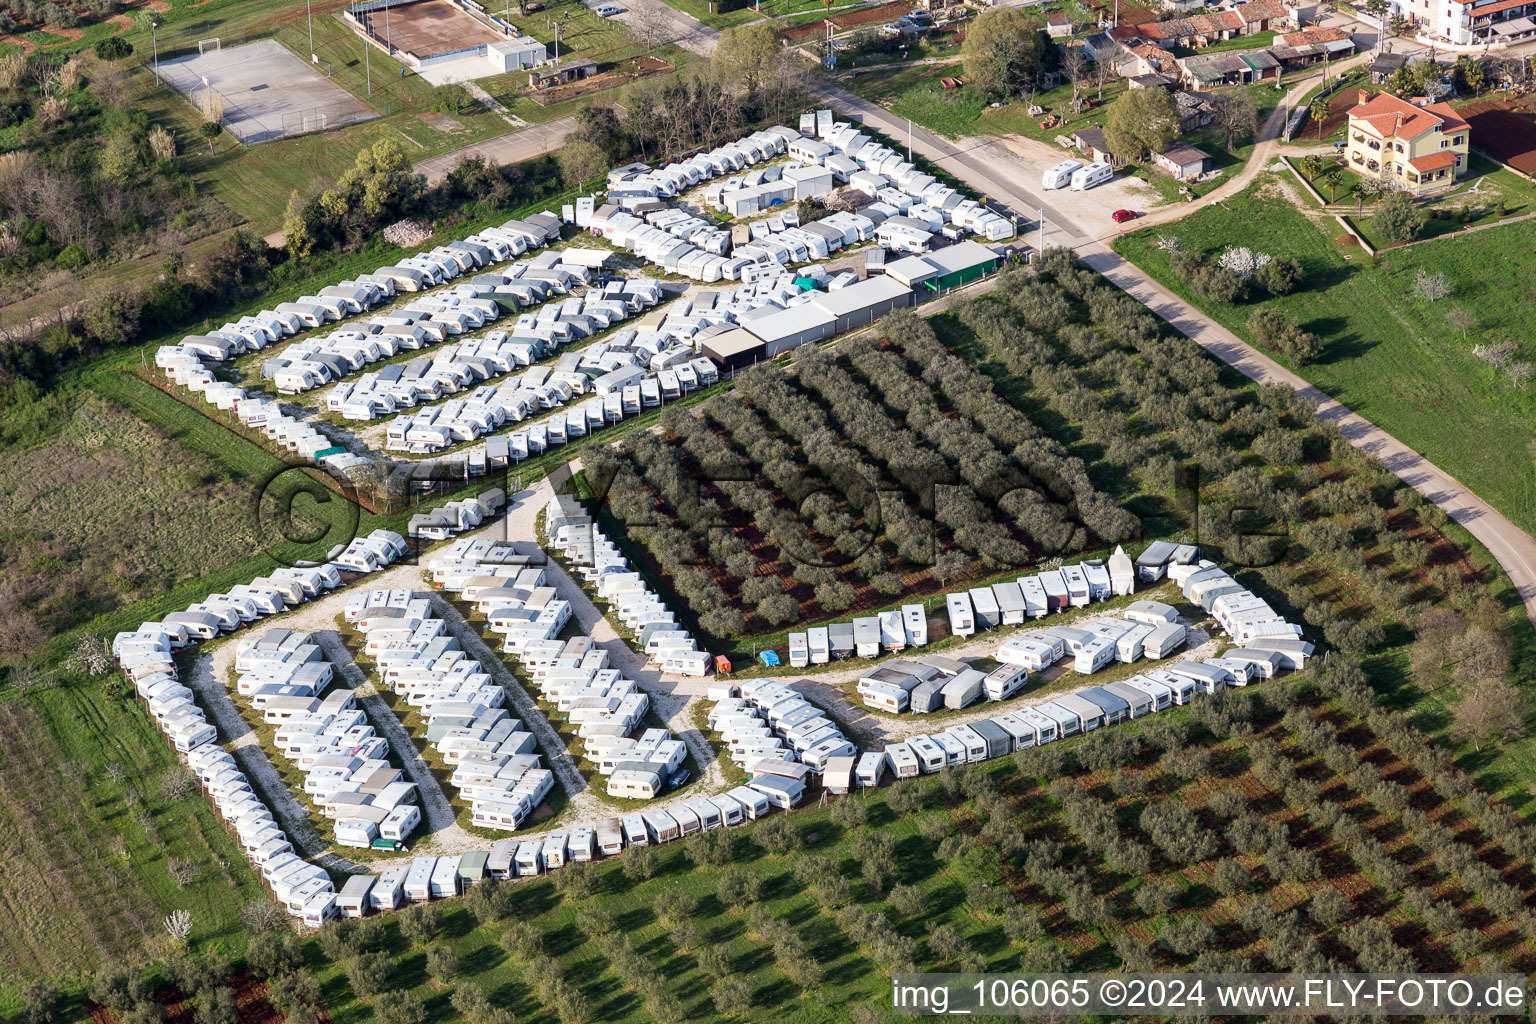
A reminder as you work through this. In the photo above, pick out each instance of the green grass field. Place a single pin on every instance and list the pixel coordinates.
(97, 847)
(1389, 356)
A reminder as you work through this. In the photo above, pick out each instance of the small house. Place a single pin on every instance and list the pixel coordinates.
(1182, 162)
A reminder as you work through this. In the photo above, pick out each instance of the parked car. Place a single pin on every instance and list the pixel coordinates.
(1121, 216)
(608, 10)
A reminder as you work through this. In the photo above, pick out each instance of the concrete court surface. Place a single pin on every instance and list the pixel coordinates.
(268, 92)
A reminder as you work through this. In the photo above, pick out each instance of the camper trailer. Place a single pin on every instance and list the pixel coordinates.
(1060, 176)
(1093, 174)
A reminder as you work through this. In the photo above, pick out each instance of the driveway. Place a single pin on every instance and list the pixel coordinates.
(514, 147)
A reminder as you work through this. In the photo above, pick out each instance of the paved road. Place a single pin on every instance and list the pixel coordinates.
(523, 144)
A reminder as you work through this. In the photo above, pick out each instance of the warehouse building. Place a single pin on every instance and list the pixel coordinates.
(863, 303)
(791, 328)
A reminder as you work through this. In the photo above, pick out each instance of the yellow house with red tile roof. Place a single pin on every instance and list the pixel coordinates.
(1422, 149)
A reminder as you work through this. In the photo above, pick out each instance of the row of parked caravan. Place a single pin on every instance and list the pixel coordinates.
(321, 731)
(147, 658)
(535, 335)
(352, 298)
(434, 878)
(1144, 629)
(570, 530)
(495, 762)
(930, 682)
(1068, 715)
(764, 722)
(305, 890)
(253, 410)
(607, 713)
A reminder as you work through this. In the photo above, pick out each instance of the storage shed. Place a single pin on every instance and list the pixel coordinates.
(735, 349)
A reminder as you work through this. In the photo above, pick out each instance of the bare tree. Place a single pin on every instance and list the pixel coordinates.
(1076, 65)
(1491, 710)
(1234, 115)
(1461, 319)
(650, 24)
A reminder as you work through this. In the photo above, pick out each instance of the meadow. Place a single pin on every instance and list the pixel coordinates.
(1389, 355)
(103, 834)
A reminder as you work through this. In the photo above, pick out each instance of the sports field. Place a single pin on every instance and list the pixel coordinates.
(263, 91)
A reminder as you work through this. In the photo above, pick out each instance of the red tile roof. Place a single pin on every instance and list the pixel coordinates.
(1434, 162)
(1316, 34)
(1387, 117)
(1261, 10)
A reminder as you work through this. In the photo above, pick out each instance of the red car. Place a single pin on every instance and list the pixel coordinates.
(1121, 216)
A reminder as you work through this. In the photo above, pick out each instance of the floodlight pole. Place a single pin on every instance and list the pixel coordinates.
(308, 7)
(155, 40)
(368, 65)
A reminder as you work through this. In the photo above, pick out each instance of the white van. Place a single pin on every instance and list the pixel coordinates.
(1060, 176)
(1094, 174)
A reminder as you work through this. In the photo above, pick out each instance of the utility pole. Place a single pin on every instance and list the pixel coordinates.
(1042, 229)
(909, 140)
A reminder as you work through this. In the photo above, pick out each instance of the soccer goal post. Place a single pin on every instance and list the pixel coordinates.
(204, 45)
(314, 122)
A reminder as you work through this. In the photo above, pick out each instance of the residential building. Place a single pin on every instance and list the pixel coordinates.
(1423, 149)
